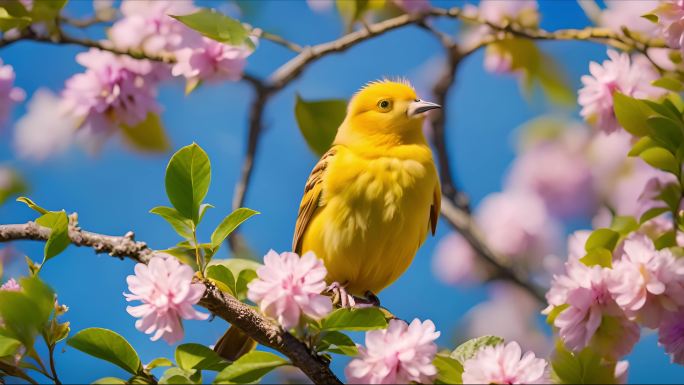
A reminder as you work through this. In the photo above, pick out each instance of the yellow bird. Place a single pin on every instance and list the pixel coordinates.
(370, 200)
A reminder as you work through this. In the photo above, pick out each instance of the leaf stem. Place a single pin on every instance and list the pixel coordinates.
(198, 256)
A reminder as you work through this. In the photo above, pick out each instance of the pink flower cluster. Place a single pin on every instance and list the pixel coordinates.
(114, 90)
(606, 306)
(288, 287)
(10, 285)
(165, 288)
(505, 364)
(521, 12)
(631, 77)
(671, 20)
(401, 354)
(118, 90)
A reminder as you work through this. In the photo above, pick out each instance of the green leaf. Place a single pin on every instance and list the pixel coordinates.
(668, 83)
(203, 210)
(667, 239)
(338, 343)
(217, 26)
(8, 346)
(369, 318)
(250, 368)
(245, 277)
(653, 18)
(624, 224)
(187, 180)
(107, 345)
(318, 121)
(21, 316)
(32, 205)
(470, 348)
(8, 21)
(642, 145)
(551, 318)
(230, 223)
(585, 367)
(598, 256)
(222, 277)
(179, 376)
(652, 213)
(109, 381)
(602, 238)
(46, 9)
(148, 135)
(158, 362)
(449, 370)
(182, 225)
(237, 265)
(198, 357)
(58, 222)
(665, 131)
(661, 159)
(631, 114)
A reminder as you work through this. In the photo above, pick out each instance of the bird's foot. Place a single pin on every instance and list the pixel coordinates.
(340, 296)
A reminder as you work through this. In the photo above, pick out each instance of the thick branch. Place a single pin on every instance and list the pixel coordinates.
(225, 306)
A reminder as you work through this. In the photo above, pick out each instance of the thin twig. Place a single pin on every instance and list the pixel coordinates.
(225, 306)
(260, 33)
(51, 352)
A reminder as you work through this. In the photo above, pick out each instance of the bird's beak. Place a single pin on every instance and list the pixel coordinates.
(420, 106)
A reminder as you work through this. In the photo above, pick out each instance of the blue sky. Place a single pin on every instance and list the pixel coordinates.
(113, 190)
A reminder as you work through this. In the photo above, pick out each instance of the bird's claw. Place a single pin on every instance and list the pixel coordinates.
(340, 296)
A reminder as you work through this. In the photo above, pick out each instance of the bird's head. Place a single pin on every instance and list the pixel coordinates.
(386, 107)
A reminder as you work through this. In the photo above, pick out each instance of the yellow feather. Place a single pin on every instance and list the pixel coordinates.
(372, 199)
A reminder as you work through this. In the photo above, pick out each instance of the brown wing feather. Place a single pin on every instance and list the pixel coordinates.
(311, 199)
(434, 209)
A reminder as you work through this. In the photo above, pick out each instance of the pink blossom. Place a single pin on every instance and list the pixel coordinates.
(621, 371)
(455, 262)
(400, 354)
(46, 129)
(647, 282)
(288, 286)
(566, 188)
(505, 364)
(671, 335)
(9, 94)
(113, 90)
(671, 20)
(635, 190)
(620, 13)
(10, 285)
(147, 25)
(165, 288)
(520, 310)
(523, 12)
(412, 6)
(210, 60)
(320, 5)
(591, 316)
(576, 243)
(518, 225)
(618, 74)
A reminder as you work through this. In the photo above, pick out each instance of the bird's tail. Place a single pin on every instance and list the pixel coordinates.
(234, 344)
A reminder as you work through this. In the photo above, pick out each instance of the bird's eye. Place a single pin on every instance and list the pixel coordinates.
(384, 105)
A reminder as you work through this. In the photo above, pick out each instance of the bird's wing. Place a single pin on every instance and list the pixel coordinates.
(434, 209)
(311, 199)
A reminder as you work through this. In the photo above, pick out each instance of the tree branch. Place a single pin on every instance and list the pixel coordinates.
(225, 306)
